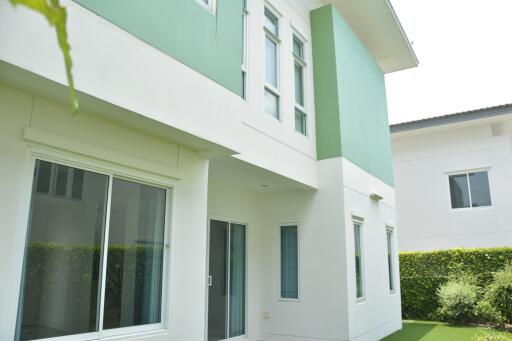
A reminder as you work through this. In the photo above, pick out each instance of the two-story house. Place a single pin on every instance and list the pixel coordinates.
(228, 174)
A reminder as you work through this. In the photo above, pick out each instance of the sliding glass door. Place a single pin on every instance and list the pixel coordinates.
(227, 272)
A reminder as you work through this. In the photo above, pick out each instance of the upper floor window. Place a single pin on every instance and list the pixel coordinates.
(271, 89)
(299, 66)
(470, 189)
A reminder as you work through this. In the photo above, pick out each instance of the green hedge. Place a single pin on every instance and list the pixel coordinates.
(421, 273)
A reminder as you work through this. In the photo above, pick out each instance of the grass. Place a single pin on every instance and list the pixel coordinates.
(437, 331)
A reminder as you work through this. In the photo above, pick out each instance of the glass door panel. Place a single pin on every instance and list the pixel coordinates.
(227, 280)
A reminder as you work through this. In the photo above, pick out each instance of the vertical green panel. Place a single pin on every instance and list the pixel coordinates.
(328, 136)
(183, 29)
(360, 94)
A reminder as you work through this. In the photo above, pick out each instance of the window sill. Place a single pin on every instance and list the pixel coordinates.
(471, 209)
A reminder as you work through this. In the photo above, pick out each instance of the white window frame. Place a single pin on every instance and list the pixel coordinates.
(279, 297)
(85, 163)
(229, 221)
(466, 172)
(391, 266)
(359, 220)
(245, 19)
(274, 38)
(210, 5)
(301, 61)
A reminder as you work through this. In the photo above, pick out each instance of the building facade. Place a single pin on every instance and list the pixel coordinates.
(227, 176)
(453, 179)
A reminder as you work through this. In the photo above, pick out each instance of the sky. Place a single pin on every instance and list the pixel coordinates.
(465, 52)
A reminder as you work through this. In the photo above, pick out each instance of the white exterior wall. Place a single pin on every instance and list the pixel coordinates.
(327, 307)
(131, 75)
(422, 161)
(121, 73)
(31, 123)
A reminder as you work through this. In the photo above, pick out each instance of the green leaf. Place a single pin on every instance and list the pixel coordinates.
(56, 15)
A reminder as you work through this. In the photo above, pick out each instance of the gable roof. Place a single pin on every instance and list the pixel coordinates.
(452, 118)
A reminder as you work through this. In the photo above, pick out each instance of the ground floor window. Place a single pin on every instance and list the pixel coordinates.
(94, 256)
(289, 262)
(389, 242)
(358, 255)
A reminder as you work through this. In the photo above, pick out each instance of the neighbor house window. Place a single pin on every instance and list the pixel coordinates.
(94, 264)
(299, 67)
(289, 262)
(358, 255)
(389, 242)
(271, 89)
(470, 189)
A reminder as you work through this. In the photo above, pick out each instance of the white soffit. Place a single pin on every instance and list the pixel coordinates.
(376, 24)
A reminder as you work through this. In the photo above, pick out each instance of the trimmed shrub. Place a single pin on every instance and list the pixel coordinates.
(422, 273)
(487, 313)
(498, 294)
(457, 298)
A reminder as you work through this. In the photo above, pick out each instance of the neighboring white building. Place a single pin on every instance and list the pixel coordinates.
(453, 178)
(227, 176)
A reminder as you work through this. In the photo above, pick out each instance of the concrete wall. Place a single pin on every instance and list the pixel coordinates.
(351, 115)
(327, 307)
(77, 136)
(118, 68)
(422, 161)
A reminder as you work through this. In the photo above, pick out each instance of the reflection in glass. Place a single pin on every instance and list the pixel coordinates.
(459, 191)
(60, 286)
(133, 288)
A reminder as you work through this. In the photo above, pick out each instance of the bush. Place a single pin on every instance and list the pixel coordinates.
(491, 337)
(498, 294)
(487, 313)
(458, 298)
(422, 273)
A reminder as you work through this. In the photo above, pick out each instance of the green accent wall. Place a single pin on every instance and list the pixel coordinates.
(210, 43)
(350, 97)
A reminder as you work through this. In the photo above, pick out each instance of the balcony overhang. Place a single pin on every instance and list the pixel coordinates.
(376, 24)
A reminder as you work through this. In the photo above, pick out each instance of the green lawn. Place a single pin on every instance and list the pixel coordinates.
(436, 331)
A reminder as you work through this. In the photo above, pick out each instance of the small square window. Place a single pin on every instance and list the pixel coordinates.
(271, 104)
(300, 122)
(270, 22)
(470, 189)
(298, 48)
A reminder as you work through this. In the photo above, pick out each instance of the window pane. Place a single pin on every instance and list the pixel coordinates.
(270, 22)
(133, 289)
(459, 191)
(271, 104)
(237, 280)
(358, 259)
(300, 122)
(62, 180)
(289, 262)
(298, 48)
(299, 84)
(389, 237)
(78, 183)
(60, 287)
(480, 193)
(270, 62)
(44, 173)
